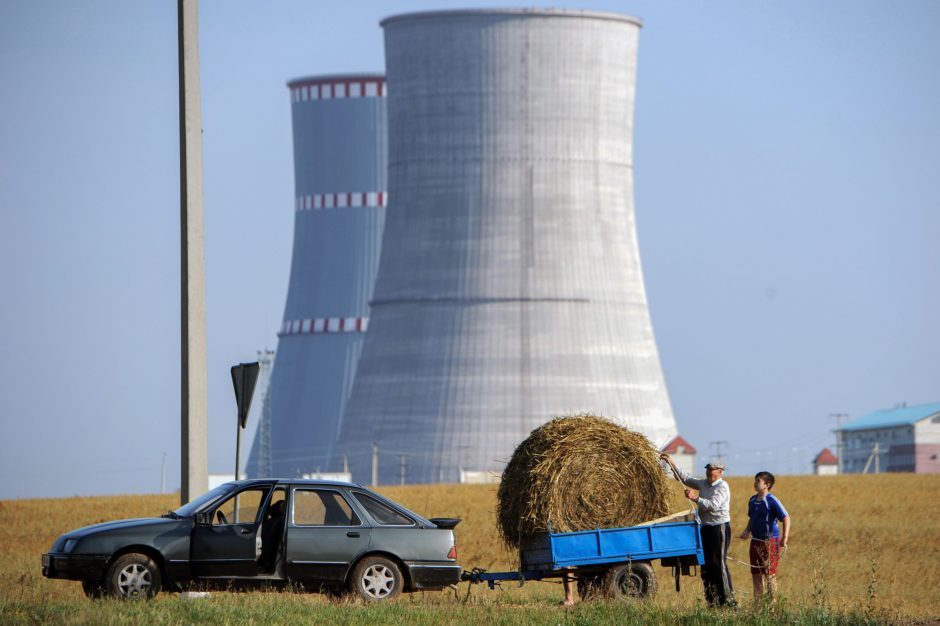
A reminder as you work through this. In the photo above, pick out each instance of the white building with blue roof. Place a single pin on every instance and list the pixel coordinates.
(902, 439)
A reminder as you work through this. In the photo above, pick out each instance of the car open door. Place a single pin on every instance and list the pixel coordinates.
(225, 540)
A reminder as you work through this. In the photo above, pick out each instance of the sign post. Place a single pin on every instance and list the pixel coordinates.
(244, 377)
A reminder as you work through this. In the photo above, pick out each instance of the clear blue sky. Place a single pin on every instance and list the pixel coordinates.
(787, 170)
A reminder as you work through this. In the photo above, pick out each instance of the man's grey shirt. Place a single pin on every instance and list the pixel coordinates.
(714, 500)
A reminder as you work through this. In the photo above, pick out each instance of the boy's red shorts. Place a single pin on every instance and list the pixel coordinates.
(765, 556)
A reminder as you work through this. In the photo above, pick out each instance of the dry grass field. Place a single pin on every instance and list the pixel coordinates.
(863, 549)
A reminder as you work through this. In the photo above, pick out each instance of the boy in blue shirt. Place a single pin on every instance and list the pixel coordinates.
(764, 510)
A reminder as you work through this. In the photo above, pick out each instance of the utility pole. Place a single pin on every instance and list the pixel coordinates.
(194, 429)
(874, 456)
(717, 445)
(463, 453)
(402, 469)
(375, 465)
(839, 417)
(263, 432)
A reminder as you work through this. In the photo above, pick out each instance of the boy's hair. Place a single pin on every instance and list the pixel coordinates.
(767, 477)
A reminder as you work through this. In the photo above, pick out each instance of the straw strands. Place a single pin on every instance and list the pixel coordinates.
(579, 473)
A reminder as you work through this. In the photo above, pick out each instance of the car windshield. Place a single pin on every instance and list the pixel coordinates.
(210, 496)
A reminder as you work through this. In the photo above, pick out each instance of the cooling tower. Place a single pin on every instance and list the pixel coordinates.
(509, 289)
(340, 169)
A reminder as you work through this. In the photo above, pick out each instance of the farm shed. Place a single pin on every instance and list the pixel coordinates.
(826, 463)
(683, 453)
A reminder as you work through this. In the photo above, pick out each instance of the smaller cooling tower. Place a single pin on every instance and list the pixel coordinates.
(339, 214)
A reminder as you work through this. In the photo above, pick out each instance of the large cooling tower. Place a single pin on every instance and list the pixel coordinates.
(340, 182)
(509, 289)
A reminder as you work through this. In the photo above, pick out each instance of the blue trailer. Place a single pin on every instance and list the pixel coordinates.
(607, 562)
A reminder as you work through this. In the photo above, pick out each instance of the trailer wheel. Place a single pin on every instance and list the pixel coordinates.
(633, 580)
(591, 586)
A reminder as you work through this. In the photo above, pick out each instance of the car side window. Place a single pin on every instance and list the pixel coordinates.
(322, 507)
(381, 512)
(242, 508)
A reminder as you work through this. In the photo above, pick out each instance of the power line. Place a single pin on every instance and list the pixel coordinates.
(718, 456)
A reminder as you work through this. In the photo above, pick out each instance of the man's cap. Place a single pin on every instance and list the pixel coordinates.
(715, 465)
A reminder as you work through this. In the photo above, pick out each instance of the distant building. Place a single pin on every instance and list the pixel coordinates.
(826, 463)
(479, 477)
(683, 453)
(902, 439)
(340, 476)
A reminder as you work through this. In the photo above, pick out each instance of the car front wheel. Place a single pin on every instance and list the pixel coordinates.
(377, 578)
(133, 576)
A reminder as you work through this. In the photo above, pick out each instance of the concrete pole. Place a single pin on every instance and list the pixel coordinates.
(194, 474)
(839, 417)
(238, 448)
(375, 465)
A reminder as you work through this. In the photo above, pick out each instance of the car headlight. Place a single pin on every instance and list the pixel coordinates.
(69, 544)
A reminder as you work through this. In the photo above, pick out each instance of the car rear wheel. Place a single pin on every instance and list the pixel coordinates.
(133, 576)
(377, 578)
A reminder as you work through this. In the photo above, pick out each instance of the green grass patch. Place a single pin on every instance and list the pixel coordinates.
(499, 609)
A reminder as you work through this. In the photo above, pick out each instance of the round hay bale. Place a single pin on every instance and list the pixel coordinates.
(579, 473)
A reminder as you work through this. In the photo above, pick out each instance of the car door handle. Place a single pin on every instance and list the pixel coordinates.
(246, 531)
(352, 533)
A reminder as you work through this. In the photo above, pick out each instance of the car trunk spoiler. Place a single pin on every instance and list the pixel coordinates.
(447, 523)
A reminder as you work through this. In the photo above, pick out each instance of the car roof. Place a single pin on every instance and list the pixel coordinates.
(296, 481)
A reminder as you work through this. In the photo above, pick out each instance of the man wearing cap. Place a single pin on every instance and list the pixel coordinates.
(714, 509)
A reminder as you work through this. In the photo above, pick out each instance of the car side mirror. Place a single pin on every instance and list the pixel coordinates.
(204, 518)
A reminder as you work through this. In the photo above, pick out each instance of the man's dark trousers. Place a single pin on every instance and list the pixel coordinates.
(715, 574)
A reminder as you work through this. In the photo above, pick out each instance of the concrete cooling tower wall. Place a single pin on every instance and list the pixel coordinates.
(340, 167)
(509, 289)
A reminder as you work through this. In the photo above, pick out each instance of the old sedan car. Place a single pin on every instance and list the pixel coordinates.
(324, 535)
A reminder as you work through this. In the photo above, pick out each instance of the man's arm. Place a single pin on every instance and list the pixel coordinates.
(691, 481)
(685, 479)
(720, 500)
